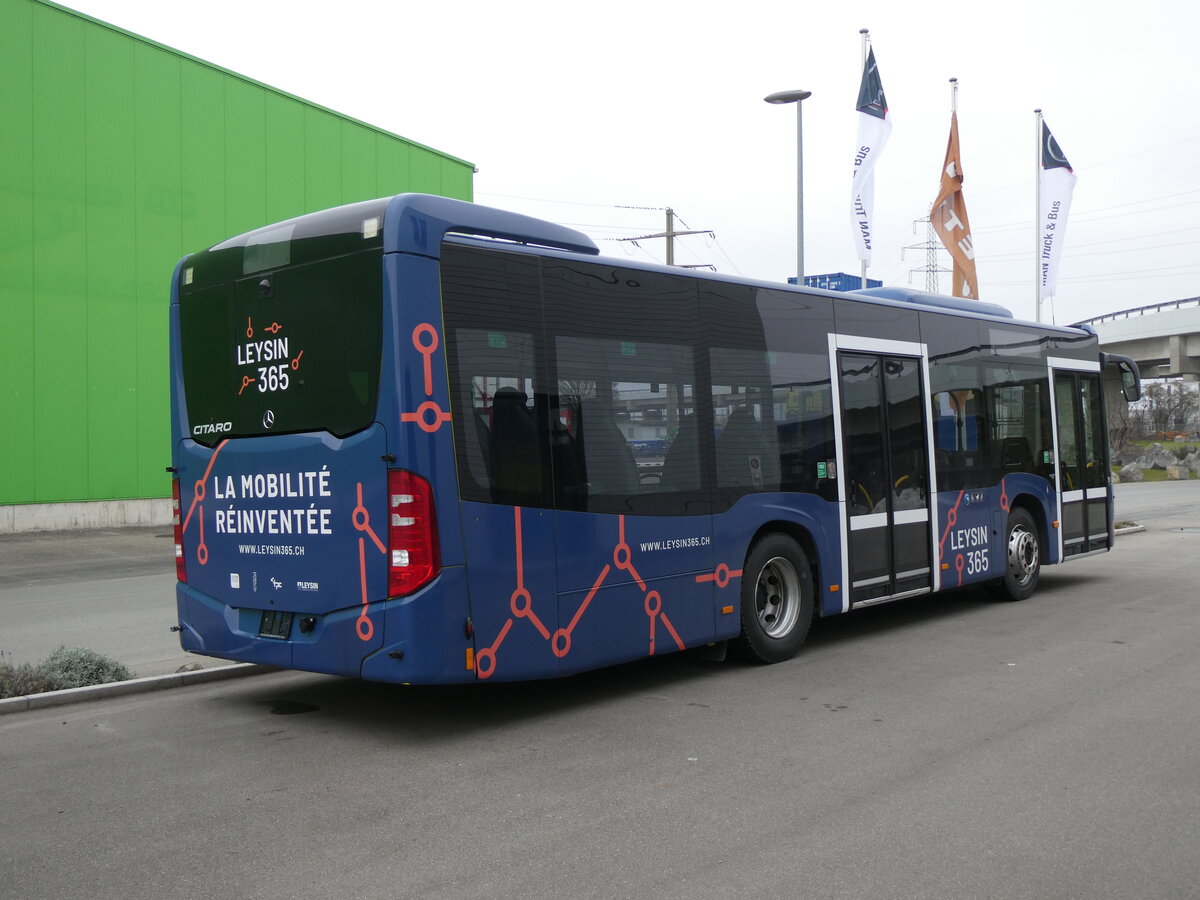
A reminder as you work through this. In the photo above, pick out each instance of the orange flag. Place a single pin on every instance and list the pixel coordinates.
(949, 218)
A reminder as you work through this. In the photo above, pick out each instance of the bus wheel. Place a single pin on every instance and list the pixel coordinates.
(1023, 558)
(777, 599)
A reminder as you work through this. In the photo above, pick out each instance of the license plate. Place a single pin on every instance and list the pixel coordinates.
(275, 624)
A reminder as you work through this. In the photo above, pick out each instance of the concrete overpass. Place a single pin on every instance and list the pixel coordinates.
(1163, 339)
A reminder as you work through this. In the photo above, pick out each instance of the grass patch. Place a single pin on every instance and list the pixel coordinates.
(1168, 445)
(1156, 474)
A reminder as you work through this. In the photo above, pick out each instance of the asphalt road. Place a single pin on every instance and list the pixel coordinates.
(110, 590)
(948, 746)
(113, 590)
(1158, 504)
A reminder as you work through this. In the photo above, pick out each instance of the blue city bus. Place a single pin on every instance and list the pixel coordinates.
(420, 440)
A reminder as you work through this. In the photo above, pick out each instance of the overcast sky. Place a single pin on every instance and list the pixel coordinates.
(571, 110)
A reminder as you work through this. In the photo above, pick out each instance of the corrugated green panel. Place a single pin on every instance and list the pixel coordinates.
(359, 180)
(285, 158)
(159, 205)
(202, 123)
(458, 181)
(245, 157)
(425, 173)
(111, 299)
(59, 273)
(392, 162)
(116, 157)
(16, 252)
(322, 160)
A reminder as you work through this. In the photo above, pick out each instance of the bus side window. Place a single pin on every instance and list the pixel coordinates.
(499, 445)
(744, 458)
(513, 446)
(627, 404)
(1022, 439)
(681, 463)
(608, 460)
(958, 436)
(1016, 454)
(744, 417)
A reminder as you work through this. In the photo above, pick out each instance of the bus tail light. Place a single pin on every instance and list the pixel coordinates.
(412, 534)
(177, 522)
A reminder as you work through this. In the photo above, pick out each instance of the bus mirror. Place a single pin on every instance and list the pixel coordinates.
(1130, 385)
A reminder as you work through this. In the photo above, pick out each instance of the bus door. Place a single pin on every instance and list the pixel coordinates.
(1085, 502)
(883, 452)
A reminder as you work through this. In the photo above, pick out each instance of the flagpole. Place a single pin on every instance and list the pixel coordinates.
(866, 37)
(953, 114)
(1037, 219)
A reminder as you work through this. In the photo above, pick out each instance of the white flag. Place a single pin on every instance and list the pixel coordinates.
(1057, 185)
(874, 126)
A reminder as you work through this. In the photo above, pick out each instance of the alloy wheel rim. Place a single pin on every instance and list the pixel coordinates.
(777, 597)
(1022, 554)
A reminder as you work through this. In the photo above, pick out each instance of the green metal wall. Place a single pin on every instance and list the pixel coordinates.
(117, 156)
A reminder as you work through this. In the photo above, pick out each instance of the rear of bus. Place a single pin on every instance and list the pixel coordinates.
(314, 479)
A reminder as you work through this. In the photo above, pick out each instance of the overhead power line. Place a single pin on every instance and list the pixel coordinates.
(670, 234)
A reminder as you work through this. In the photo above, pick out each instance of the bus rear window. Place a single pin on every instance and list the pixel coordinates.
(291, 350)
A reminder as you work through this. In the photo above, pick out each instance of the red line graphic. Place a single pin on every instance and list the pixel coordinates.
(485, 659)
(364, 627)
(202, 548)
(199, 491)
(426, 350)
(521, 602)
(362, 521)
(671, 630)
(722, 575)
(588, 599)
(274, 328)
(623, 556)
(429, 415)
(951, 520)
(430, 425)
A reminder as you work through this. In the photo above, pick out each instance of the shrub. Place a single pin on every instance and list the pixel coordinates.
(17, 681)
(72, 667)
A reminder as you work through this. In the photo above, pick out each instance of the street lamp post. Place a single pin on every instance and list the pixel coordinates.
(797, 97)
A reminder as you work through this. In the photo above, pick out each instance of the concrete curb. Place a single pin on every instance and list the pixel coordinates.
(1132, 529)
(135, 686)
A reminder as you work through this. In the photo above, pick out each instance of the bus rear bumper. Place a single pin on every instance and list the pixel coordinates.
(422, 639)
(427, 636)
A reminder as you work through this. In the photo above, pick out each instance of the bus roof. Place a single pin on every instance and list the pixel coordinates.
(417, 223)
(926, 298)
(882, 296)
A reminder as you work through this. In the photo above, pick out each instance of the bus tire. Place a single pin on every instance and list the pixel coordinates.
(1022, 558)
(778, 599)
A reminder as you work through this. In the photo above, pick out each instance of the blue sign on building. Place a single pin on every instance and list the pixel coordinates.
(837, 281)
